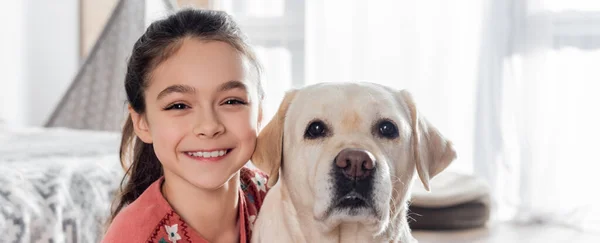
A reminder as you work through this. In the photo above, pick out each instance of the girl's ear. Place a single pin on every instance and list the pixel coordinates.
(140, 126)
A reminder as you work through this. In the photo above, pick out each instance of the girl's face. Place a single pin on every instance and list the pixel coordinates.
(202, 113)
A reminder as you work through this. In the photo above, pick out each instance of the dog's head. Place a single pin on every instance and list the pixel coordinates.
(348, 151)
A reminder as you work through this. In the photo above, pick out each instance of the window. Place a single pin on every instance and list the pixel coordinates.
(276, 30)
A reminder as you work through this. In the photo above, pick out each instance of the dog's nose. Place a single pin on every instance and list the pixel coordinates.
(355, 163)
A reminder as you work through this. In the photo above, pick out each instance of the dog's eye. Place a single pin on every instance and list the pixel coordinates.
(387, 129)
(315, 129)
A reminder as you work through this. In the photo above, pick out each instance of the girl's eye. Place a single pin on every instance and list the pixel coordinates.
(234, 102)
(178, 106)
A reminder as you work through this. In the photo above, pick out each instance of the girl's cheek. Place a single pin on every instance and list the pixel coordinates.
(173, 126)
(242, 123)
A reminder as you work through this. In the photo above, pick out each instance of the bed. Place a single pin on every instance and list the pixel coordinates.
(56, 184)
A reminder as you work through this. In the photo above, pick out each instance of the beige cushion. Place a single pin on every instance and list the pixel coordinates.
(456, 201)
(449, 189)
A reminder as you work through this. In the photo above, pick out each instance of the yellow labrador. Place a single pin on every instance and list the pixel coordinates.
(347, 153)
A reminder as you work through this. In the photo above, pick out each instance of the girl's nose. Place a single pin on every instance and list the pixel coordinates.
(209, 125)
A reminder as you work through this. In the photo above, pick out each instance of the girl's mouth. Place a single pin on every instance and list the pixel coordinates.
(209, 155)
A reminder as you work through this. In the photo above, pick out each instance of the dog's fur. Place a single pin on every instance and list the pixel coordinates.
(304, 206)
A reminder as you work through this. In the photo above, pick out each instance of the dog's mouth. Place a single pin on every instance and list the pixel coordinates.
(352, 200)
(352, 207)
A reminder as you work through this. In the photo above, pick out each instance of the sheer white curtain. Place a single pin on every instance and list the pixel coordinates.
(538, 120)
(513, 83)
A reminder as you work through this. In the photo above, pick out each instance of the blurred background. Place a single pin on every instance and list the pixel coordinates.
(513, 83)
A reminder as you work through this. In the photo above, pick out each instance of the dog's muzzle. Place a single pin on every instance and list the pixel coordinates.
(353, 171)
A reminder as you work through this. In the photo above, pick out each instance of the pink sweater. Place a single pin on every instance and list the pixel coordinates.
(150, 218)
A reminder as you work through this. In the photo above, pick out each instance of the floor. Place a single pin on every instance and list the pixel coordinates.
(508, 233)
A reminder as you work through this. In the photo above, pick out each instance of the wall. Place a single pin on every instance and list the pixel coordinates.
(94, 15)
(51, 55)
(38, 57)
(11, 62)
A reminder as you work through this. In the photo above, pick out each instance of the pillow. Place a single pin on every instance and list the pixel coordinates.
(456, 201)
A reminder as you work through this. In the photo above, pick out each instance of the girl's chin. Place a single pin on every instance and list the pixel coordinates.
(211, 180)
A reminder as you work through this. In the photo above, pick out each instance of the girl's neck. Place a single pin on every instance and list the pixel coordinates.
(211, 213)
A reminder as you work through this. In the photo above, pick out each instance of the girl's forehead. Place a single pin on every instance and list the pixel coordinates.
(203, 65)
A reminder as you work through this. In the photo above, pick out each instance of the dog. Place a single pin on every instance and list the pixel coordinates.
(341, 159)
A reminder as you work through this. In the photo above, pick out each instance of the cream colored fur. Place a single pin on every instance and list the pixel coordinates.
(297, 208)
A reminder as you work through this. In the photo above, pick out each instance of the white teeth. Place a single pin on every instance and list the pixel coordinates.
(212, 154)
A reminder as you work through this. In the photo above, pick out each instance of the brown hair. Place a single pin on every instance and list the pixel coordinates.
(162, 39)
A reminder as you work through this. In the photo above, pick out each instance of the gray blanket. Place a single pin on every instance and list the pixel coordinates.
(56, 185)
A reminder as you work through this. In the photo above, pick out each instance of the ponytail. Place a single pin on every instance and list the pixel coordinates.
(143, 170)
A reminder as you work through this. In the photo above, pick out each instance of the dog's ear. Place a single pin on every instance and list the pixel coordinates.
(268, 154)
(432, 152)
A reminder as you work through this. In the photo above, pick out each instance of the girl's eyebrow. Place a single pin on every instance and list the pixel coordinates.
(233, 84)
(186, 89)
(178, 88)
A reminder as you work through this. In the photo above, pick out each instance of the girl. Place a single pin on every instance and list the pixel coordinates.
(194, 93)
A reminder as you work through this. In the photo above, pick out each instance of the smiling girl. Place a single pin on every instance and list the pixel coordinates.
(194, 93)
